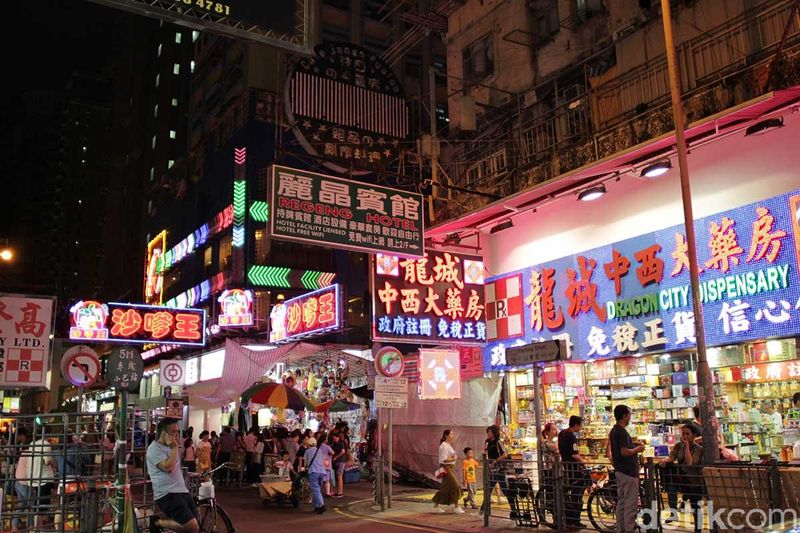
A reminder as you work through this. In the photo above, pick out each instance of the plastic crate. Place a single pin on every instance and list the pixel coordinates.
(352, 476)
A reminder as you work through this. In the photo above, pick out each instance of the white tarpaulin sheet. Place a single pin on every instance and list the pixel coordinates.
(418, 428)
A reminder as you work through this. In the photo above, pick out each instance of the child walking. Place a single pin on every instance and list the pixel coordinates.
(470, 468)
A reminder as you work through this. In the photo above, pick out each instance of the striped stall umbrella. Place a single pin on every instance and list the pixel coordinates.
(337, 406)
(277, 395)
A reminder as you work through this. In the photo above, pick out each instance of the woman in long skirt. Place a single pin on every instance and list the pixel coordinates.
(450, 491)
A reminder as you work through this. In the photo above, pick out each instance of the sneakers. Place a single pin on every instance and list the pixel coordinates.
(438, 510)
(458, 510)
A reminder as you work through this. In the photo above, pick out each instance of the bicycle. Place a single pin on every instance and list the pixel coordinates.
(211, 517)
(602, 503)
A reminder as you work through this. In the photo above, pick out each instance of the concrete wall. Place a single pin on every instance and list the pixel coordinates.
(513, 70)
(727, 173)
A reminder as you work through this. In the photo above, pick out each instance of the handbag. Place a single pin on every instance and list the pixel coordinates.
(440, 473)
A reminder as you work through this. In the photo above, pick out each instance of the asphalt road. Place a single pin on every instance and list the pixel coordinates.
(249, 515)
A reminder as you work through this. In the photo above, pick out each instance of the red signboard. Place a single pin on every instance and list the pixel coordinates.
(308, 315)
(439, 297)
(134, 323)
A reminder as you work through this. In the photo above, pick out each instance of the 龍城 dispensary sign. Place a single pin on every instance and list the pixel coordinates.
(329, 211)
(633, 296)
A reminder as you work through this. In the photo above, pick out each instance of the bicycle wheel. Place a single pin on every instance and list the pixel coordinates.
(602, 511)
(213, 518)
(545, 508)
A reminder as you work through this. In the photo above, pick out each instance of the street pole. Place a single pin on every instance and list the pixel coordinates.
(390, 435)
(705, 382)
(120, 457)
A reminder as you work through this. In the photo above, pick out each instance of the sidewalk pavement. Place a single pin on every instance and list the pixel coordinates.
(414, 508)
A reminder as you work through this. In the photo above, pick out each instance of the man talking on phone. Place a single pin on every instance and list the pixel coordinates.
(169, 488)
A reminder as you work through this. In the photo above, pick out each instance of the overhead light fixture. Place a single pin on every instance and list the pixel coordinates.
(454, 239)
(760, 128)
(657, 169)
(592, 193)
(502, 226)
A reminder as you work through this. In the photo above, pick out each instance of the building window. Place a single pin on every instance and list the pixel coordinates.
(195, 35)
(477, 59)
(174, 102)
(488, 167)
(153, 142)
(208, 255)
(170, 163)
(176, 68)
(178, 37)
(172, 134)
(158, 79)
(159, 50)
(225, 251)
(155, 110)
(152, 173)
(191, 66)
(546, 23)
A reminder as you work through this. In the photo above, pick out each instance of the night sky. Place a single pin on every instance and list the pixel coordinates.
(44, 40)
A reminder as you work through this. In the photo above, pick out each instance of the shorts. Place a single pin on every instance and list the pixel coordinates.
(339, 467)
(178, 506)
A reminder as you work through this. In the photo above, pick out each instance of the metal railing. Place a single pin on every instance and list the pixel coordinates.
(671, 497)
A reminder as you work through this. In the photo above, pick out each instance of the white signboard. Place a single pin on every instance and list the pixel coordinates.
(26, 327)
(173, 373)
(391, 393)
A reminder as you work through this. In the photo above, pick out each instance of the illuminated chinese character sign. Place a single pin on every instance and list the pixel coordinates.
(348, 106)
(633, 296)
(153, 274)
(236, 308)
(309, 315)
(439, 374)
(26, 328)
(439, 297)
(328, 211)
(140, 324)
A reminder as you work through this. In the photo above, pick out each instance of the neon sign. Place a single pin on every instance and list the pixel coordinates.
(133, 323)
(308, 315)
(439, 297)
(633, 296)
(153, 276)
(198, 293)
(236, 308)
(197, 238)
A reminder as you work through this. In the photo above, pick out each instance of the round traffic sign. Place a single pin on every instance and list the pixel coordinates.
(124, 368)
(80, 366)
(389, 362)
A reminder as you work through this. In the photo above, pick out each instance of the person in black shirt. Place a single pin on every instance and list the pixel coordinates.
(625, 458)
(496, 454)
(575, 475)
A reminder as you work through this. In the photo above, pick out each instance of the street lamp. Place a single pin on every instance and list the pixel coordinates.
(6, 253)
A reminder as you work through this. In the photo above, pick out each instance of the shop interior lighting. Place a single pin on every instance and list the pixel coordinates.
(502, 226)
(657, 169)
(774, 348)
(454, 239)
(592, 193)
(760, 128)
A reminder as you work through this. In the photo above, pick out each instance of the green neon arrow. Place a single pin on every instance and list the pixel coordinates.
(259, 211)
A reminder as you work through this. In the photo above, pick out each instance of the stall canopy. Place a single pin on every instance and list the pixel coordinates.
(245, 366)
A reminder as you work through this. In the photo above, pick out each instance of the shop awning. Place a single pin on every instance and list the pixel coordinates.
(245, 366)
(709, 128)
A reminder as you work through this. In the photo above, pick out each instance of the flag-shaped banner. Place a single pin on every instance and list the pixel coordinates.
(504, 308)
